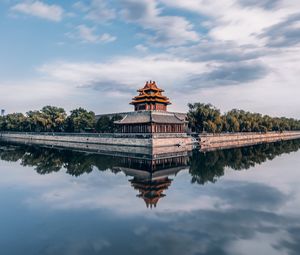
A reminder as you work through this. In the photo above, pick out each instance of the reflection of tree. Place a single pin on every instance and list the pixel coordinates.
(79, 164)
(11, 153)
(209, 166)
(48, 160)
(44, 161)
(204, 167)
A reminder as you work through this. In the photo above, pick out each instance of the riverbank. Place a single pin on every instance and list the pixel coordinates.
(110, 144)
(230, 140)
(147, 143)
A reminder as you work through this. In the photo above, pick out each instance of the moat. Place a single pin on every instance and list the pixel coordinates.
(236, 201)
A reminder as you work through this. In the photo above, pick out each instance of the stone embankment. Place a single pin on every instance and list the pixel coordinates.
(118, 139)
(229, 140)
(146, 143)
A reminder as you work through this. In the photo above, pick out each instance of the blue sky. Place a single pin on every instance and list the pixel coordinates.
(96, 53)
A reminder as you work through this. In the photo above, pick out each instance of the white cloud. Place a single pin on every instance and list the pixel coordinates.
(40, 9)
(130, 71)
(234, 22)
(96, 10)
(233, 53)
(88, 34)
(168, 30)
(71, 84)
(141, 48)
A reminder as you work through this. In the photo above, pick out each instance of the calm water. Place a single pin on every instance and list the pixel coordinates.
(237, 201)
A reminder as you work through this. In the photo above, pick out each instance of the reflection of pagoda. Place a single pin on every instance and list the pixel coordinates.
(151, 190)
(151, 176)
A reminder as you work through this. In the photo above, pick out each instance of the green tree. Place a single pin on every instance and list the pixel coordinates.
(80, 120)
(54, 118)
(14, 122)
(202, 117)
(36, 121)
(106, 124)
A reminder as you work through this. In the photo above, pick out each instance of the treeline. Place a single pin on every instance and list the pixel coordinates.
(55, 119)
(207, 118)
(201, 118)
(210, 166)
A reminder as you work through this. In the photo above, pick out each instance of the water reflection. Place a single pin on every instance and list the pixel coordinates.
(208, 167)
(150, 177)
(83, 203)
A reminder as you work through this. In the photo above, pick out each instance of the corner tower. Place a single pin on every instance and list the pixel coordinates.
(150, 98)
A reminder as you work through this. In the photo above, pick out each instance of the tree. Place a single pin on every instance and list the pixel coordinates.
(80, 120)
(106, 124)
(54, 118)
(2, 123)
(36, 121)
(14, 122)
(203, 116)
(232, 123)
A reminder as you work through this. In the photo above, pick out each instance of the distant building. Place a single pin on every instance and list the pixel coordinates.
(150, 113)
(2, 112)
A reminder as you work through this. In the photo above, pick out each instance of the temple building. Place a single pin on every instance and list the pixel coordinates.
(150, 113)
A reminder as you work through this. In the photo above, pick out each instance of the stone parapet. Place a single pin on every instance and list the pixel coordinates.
(119, 139)
(228, 140)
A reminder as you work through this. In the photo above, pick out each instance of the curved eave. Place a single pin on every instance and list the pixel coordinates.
(147, 89)
(150, 101)
(150, 96)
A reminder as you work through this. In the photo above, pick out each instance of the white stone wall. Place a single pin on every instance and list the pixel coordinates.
(140, 140)
(224, 140)
(81, 139)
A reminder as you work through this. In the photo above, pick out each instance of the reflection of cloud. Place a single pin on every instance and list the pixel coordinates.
(215, 232)
(251, 195)
(100, 212)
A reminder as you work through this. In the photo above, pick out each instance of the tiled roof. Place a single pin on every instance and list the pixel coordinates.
(141, 117)
(156, 118)
(151, 116)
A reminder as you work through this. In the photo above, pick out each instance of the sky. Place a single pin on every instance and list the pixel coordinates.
(96, 53)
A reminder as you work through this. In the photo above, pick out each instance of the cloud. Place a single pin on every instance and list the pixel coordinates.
(141, 48)
(231, 21)
(283, 34)
(268, 4)
(208, 50)
(96, 10)
(108, 86)
(167, 30)
(230, 74)
(87, 34)
(129, 71)
(40, 9)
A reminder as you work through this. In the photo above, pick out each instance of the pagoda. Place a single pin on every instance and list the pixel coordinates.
(150, 98)
(150, 113)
